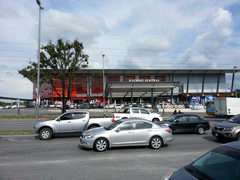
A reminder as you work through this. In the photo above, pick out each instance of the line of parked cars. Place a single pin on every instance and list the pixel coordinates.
(100, 134)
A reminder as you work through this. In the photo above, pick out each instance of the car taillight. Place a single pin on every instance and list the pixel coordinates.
(168, 130)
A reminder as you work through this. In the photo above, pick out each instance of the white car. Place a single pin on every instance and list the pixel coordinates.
(138, 113)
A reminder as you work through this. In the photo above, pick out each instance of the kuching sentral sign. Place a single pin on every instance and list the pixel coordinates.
(144, 80)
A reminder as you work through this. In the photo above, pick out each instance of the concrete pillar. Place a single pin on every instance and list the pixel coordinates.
(203, 81)
(218, 80)
(188, 81)
(233, 78)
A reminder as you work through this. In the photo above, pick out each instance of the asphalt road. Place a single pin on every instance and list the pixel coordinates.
(26, 157)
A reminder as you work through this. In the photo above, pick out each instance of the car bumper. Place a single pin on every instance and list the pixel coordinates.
(223, 134)
(87, 143)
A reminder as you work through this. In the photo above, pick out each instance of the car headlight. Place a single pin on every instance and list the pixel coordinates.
(167, 176)
(228, 129)
(88, 136)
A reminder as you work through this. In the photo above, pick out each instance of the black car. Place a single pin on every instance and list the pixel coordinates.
(187, 123)
(222, 163)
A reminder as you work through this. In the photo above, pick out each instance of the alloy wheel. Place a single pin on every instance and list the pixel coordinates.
(156, 143)
(101, 145)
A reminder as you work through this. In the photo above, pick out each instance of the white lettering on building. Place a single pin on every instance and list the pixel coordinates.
(144, 80)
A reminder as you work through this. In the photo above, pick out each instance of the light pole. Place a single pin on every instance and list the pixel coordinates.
(103, 86)
(38, 67)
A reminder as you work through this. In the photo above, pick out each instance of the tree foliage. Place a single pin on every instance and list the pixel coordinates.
(58, 61)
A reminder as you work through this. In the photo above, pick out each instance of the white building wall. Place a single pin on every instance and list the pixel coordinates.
(195, 83)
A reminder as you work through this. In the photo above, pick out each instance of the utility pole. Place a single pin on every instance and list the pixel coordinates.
(38, 67)
(103, 86)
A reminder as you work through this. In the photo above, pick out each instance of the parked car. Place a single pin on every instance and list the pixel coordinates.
(69, 122)
(222, 163)
(83, 106)
(137, 113)
(187, 123)
(227, 129)
(127, 132)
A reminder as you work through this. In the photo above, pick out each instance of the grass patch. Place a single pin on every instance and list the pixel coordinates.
(25, 131)
(27, 117)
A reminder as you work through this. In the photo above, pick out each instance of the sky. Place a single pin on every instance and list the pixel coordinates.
(147, 34)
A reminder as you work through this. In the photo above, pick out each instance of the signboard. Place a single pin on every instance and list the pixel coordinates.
(209, 98)
(144, 80)
(195, 99)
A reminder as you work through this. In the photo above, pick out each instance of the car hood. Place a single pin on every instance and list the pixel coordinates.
(182, 174)
(44, 120)
(95, 131)
(226, 124)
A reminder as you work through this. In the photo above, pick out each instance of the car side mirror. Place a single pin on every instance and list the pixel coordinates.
(117, 130)
(58, 120)
(176, 121)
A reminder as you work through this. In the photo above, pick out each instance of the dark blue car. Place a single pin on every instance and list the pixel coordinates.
(222, 163)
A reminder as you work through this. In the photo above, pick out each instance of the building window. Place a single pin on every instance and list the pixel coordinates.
(161, 78)
(127, 78)
(81, 85)
(113, 78)
(144, 77)
(97, 85)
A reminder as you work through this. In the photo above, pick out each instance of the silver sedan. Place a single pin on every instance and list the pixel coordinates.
(127, 132)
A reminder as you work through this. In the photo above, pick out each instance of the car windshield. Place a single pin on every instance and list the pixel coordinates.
(222, 163)
(172, 118)
(113, 125)
(234, 119)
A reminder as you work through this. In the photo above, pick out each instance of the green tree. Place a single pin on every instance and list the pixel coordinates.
(58, 61)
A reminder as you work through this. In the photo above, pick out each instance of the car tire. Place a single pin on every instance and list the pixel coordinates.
(45, 134)
(93, 126)
(200, 130)
(155, 120)
(100, 145)
(238, 137)
(155, 142)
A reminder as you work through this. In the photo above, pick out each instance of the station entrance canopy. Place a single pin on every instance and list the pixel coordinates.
(138, 88)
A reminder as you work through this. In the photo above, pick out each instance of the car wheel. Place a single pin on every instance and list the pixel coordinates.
(100, 145)
(156, 142)
(238, 137)
(45, 134)
(93, 126)
(155, 120)
(200, 130)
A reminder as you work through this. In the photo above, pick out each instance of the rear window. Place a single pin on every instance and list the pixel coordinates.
(143, 125)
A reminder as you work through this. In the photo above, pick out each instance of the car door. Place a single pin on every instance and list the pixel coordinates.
(193, 122)
(64, 123)
(144, 114)
(135, 113)
(123, 134)
(141, 132)
(181, 124)
(79, 121)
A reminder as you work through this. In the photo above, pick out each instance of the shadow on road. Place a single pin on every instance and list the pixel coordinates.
(213, 139)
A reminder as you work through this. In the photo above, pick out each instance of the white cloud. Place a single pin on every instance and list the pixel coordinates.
(70, 26)
(203, 52)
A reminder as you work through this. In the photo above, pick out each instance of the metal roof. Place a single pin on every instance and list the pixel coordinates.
(159, 71)
(138, 89)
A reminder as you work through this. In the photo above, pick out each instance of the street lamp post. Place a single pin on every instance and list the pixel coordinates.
(103, 86)
(38, 66)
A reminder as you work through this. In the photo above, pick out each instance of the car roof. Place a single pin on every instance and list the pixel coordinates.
(134, 119)
(235, 145)
(185, 115)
